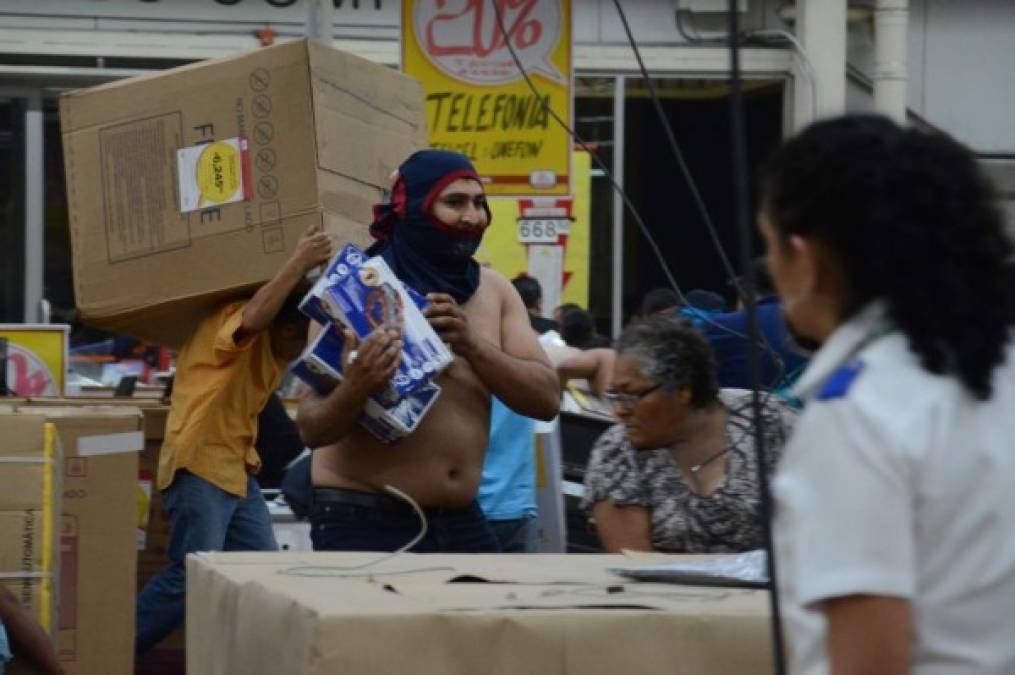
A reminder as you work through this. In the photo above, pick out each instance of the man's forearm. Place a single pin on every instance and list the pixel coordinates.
(526, 386)
(326, 420)
(266, 303)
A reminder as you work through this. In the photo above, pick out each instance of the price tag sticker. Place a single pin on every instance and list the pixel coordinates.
(542, 230)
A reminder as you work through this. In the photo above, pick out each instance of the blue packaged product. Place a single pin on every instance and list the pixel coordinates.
(320, 367)
(365, 294)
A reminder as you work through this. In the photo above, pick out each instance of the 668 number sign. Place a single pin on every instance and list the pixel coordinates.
(542, 230)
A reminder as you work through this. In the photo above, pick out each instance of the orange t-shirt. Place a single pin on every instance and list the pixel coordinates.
(219, 389)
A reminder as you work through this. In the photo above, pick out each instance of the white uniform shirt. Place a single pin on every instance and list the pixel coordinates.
(898, 483)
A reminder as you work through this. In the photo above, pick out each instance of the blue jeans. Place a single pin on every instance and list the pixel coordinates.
(351, 527)
(518, 535)
(204, 517)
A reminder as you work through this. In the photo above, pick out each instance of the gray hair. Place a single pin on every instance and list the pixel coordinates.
(674, 354)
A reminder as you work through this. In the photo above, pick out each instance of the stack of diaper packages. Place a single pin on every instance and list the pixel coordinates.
(361, 294)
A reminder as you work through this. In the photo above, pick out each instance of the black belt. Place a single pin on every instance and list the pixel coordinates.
(374, 500)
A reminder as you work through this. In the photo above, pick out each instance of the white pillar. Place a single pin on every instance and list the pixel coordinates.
(35, 234)
(321, 20)
(619, 101)
(891, 19)
(821, 29)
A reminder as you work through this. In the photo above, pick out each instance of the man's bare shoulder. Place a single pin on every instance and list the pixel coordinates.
(493, 279)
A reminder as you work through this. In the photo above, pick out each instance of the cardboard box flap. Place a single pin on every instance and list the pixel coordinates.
(96, 430)
(366, 90)
(368, 119)
(23, 438)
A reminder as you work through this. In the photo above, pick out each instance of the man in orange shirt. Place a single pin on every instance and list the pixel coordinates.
(224, 375)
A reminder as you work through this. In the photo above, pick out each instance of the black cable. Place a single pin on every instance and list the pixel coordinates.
(699, 202)
(692, 185)
(741, 207)
(702, 316)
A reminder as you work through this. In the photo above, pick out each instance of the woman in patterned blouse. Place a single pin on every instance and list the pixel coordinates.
(679, 472)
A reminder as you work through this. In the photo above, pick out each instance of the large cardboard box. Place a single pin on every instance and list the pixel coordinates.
(320, 613)
(98, 534)
(153, 526)
(323, 132)
(29, 514)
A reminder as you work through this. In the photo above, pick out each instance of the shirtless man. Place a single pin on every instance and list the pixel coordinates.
(428, 235)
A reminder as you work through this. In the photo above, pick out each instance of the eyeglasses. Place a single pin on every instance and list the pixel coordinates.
(619, 400)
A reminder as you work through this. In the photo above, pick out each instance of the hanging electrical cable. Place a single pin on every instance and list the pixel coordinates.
(635, 215)
(741, 210)
(695, 193)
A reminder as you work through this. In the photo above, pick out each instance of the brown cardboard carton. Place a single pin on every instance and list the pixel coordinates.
(324, 130)
(153, 526)
(29, 513)
(562, 614)
(98, 535)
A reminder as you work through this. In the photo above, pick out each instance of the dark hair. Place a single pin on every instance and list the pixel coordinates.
(567, 307)
(674, 354)
(706, 300)
(290, 313)
(578, 327)
(912, 221)
(659, 300)
(528, 287)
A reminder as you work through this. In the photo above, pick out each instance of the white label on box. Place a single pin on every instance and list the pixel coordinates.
(542, 230)
(212, 174)
(111, 444)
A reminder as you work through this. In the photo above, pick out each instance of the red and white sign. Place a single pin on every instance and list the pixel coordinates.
(462, 38)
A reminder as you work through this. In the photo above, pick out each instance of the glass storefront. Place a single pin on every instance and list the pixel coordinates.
(12, 209)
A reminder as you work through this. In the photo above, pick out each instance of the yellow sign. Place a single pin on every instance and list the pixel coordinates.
(502, 251)
(36, 358)
(477, 101)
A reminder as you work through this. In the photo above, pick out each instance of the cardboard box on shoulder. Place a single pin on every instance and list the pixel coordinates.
(98, 534)
(216, 169)
(29, 514)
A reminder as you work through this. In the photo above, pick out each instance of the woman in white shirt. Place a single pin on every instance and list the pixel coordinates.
(895, 497)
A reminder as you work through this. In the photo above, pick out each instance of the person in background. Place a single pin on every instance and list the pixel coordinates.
(579, 330)
(278, 442)
(559, 312)
(679, 472)
(659, 301)
(894, 510)
(507, 491)
(782, 360)
(22, 638)
(705, 301)
(532, 297)
(224, 375)
(428, 235)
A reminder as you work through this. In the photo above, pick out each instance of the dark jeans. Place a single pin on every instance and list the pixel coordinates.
(518, 535)
(204, 517)
(376, 522)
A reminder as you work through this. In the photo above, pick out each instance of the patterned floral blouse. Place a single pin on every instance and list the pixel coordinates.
(682, 521)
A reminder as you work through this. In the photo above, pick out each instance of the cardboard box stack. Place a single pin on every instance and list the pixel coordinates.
(97, 532)
(192, 186)
(362, 294)
(152, 522)
(29, 514)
